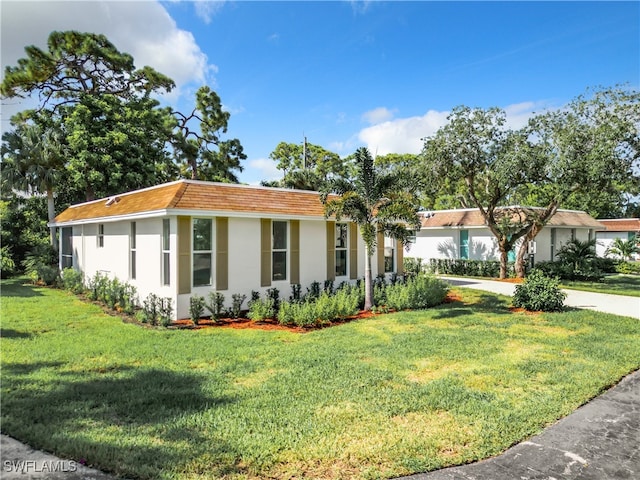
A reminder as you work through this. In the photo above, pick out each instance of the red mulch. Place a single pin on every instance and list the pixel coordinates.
(244, 323)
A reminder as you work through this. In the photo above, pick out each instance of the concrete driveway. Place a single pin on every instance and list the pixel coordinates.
(602, 302)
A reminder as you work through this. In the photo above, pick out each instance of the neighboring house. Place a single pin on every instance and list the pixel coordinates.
(462, 234)
(191, 237)
(623, 228)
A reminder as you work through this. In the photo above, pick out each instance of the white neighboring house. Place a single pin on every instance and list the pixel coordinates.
(192, 237)
(462, 234)
(623, 228)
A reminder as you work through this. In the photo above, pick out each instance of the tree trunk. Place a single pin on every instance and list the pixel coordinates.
(504, 258)
(520, 258)
(368, 282)
(51, 210)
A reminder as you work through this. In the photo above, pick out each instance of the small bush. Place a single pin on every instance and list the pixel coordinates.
(237, 299)
(412, 266)
(423, 291)
(41, 265)
(156, 310)
(73, 280)
(274, 294)
(628, 268)
(313, 290)
(262, 309)
(296, 292)
(539, 293)
(165, 311)
(215, 305)
(196, 308)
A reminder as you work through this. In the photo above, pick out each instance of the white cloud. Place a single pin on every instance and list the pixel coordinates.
(377, 115)
(206, 9)
(143, 29)
(402, 135)
(262, 169)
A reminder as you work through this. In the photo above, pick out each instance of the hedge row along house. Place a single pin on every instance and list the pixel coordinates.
(462, 234)
(191, 237)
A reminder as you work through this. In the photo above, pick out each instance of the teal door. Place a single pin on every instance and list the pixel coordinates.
(464, 244)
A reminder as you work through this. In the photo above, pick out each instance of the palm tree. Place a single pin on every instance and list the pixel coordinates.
(577, 253)
(33, 162)
(624, 248)
(377, 203)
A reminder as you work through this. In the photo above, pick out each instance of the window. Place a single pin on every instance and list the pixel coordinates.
(553, 244)
(166, 265)
(132, 251)
(341, 249)
(573, 234)
(464, 244)
(100, 235)
(279, 251)
(202, 251)
(67, 247)
(389, 254)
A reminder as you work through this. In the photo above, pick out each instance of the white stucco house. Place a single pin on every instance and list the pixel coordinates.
(623, 228)
(191, 237)
(462, 234)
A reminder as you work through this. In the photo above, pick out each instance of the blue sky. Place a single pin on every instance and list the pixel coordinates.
(350, 74)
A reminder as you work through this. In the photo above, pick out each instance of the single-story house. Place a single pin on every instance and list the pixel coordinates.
(623, 228)
(462, 234)
(192, 237)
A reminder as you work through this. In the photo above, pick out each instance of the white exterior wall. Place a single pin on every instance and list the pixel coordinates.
(430, 242)
(483, 245)
(113, 259)
(604, 240)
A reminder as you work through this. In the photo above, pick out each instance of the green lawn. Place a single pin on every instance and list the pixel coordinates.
(377, 398)
(616, 284)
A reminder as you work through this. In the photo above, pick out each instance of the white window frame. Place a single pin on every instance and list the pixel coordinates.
(132, 251)
(344, 249)
(66, 258)
(275, 250)
(165, 261)
(389, 245)
(100, 236)
(195, 252)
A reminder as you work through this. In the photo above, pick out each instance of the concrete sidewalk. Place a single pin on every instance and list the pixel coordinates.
(602, 302)
(599, 441)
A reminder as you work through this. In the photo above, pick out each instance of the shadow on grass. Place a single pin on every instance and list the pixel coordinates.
(132, 406)
(475, 301)
(9, 333)
(18, 287)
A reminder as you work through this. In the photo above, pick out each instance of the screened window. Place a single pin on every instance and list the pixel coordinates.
(132, 251)
(101, 235)
(202, 251)
(67, 247)
(279, 251)
(166, 257)
(389, 255)
(341, 249)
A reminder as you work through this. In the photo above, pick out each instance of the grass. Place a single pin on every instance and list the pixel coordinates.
(377, 398)
(616, 284)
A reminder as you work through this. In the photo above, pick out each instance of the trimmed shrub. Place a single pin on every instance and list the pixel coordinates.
(471, 268)
(262, 309)
(539, 293)
(73, 280)
(7, 265)
(412, 266)
(215, 305)
(196, 308)
(423, 291)
(629, 268)
(237, 299)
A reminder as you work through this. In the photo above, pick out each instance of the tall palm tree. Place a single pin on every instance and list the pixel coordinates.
(33, 162)
(377, 203)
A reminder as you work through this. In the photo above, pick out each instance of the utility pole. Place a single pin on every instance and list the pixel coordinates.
(304, 153)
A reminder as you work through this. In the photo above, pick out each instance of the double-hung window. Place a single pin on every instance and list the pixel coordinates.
(279, 251)
(100, 235)
(67, 247)
(132, 251)
(341, 249)
(389, 254)
(202, 251)
(166, 251)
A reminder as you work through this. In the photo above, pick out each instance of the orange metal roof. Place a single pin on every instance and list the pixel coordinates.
(621, 225)
(473, 218)
(197, 195)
